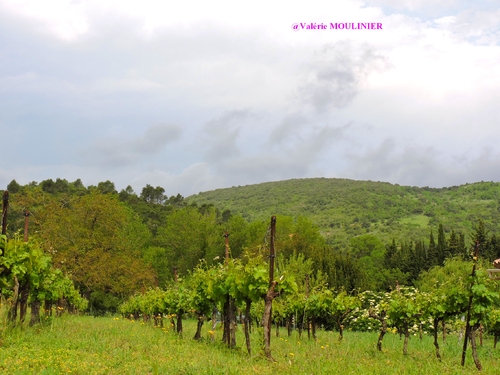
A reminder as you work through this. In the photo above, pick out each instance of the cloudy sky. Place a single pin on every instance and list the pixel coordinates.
(199, 95)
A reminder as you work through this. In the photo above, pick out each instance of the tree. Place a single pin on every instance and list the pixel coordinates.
(106, 187)
(153, 195)
(189, 236)
(48, 186)
(442, 246)
(453, 245)
(432, 253)
(390, 255)
(98, 241)
(344, 272)
(370, 252)
(13, 187)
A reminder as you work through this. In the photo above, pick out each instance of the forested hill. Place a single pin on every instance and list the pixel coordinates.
(345, 208)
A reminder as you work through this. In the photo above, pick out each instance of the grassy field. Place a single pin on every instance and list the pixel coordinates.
(87, 345)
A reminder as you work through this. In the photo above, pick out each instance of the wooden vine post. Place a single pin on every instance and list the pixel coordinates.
(469, 332)
(306, 317)
(266, 320)
(229, 334)
(5, 207)
(26, 223)
(172, 321)
(25, 288)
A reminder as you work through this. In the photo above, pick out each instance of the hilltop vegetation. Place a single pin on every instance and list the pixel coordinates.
(343, 209)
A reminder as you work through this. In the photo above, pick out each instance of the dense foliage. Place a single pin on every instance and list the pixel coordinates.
(343, 209)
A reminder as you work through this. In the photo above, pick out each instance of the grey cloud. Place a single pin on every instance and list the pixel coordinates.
(298, 131)
(291, 160)
(421, 166)
(118, 153)
(155, 138)
(288, 128)
(337, 73)
(223, 134)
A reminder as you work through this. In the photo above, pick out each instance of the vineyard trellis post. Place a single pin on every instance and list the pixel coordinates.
(226, 237)
(266, 320)
(229, 333)
(5, 207)
(175, 275)
(468, 334)
(305, 316)
(26, 224)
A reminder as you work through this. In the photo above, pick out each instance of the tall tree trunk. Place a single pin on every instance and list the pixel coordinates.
(313, 327)
(497, 334)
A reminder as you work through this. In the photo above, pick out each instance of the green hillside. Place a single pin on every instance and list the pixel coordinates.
(345, 208)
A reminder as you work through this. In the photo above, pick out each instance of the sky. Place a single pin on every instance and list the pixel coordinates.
(199, 95)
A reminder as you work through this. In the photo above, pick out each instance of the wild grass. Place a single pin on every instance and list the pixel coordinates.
(87, 345)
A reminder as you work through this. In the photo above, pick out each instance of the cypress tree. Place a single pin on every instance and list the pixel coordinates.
(416, 259)
(404, 257)
(495, 246)
(390, 255)
(432, 255)
(481, 236)
(453, 245)
(442, 247)
(461, 245)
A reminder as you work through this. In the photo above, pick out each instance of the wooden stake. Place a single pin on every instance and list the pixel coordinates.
(5, 208)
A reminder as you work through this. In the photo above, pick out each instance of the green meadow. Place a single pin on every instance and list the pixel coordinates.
(107, 345)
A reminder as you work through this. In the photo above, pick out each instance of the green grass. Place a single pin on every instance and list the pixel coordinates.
(421, 221)
(87, 345)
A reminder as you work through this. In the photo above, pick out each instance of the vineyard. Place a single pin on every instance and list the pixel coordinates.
(439, 312)
(254, 298)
